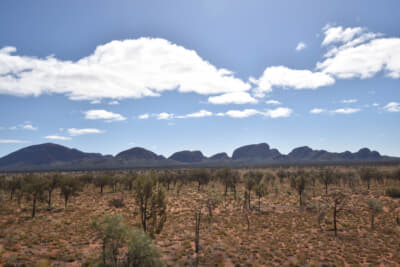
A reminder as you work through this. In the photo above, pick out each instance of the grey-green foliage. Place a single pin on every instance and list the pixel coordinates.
(34, 186)
(375, 207)
(123, 246)
(151, 199)
(70, 186)
(142, 252)
(298, 181)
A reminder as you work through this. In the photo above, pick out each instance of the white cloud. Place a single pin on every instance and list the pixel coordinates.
(144, 116)
(273, 102)
(115, 102)
(93, 102)
(57, 137)
(270, 113)
(29, 127)
(76, 132)
(25, 126)
(346, 110)
(375, 104)
(200, 114)
(317, 110)
(241, 113)
(357, 53)
(392, 107)
(12, 141)
(278, 113)
(164, 116)
(233, 98)
(117, 70)
(281, 76)
(101, 114)
(349, 101)
(300, 46)
(339, 35)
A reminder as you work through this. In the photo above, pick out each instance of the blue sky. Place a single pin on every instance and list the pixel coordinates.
(104, 76)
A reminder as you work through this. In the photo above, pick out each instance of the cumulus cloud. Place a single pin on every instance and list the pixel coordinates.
(346, 110)
(144, 116)
(101, 114)
(339, 34)
(278, 113)
(164, 116)
(273, 102)
(317, 111)
(200, 114)
(392, 107)
(12, 141)
(115, 102)
(349, 101)
(117, 70)
(240, 113)
(300, 46)
(356, 53)
(77, 132)
(93, 102)
(233, 98)
(57, 137)
(281, 76)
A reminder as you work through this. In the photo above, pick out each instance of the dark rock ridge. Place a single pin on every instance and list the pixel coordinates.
(45, 154)
(259, 151)
(307, 154)
(219, 156)
(138, 153)
(188, 156)
(50, 156)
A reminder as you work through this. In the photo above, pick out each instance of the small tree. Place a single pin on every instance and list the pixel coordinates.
(212, 199)
(201, 176)
(367, 175)
(35, 186)
(70, 186)
(339, 200)
(151, 200)
(251, 179)
(375, 207)
(298, 181)
(327, 177)
(261, 190)
(53, 181)
(101, 181)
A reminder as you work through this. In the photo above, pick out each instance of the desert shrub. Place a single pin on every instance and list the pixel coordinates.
(393, 192)
(116, 203)
(375, 207)
(151, 199)
(122, 246)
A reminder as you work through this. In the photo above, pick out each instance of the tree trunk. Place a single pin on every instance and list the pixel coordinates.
(326, 189)
(301, 201)
(101, 189)
(34, 206)
(66, 201)
(372, 221)
(49, 200)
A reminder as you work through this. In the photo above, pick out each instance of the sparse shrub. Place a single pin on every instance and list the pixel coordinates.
(70, 186)
(150, 196)
(298, 181)
(375, 207)
(393, 192)
(116, 203)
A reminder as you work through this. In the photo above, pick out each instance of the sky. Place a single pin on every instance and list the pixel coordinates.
(210, 75)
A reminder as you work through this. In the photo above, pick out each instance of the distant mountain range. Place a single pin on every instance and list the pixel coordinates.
(51, 156)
